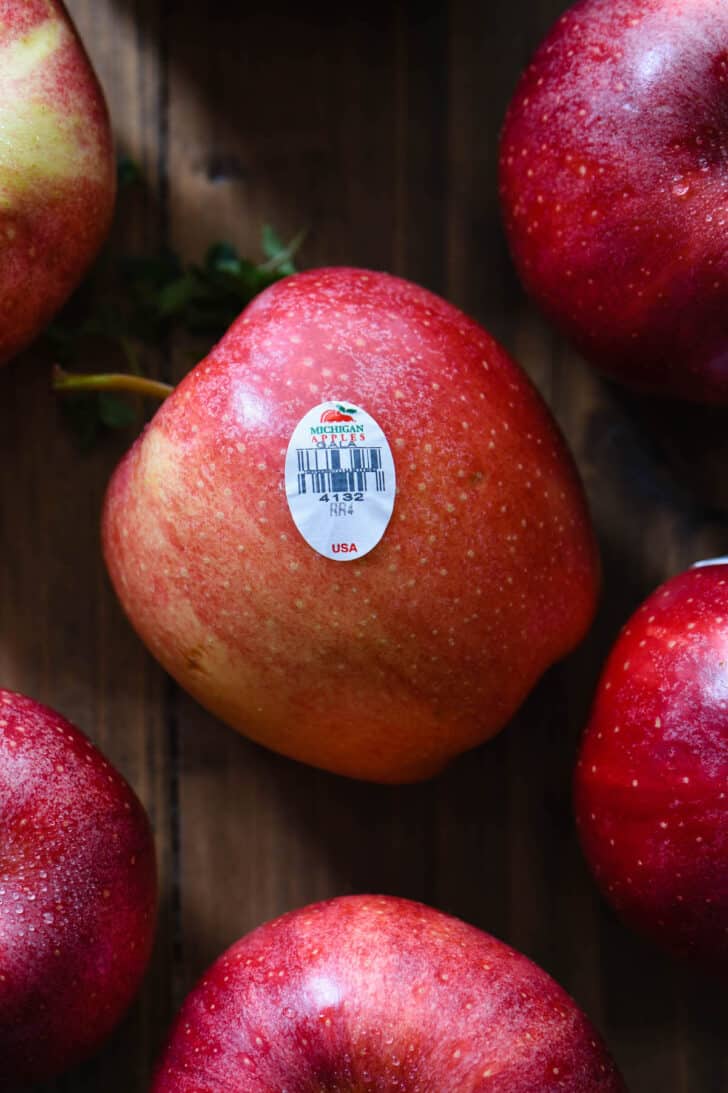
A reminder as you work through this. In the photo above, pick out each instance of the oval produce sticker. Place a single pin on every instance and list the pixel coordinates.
(340, 480)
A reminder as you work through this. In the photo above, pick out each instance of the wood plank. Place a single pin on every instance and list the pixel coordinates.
(637, 998)
(62, 637)
(318, 152)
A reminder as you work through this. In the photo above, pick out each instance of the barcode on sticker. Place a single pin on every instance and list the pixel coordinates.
(340, 479)
(335, 470)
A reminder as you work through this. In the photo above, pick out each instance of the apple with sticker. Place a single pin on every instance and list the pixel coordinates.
(416, 567)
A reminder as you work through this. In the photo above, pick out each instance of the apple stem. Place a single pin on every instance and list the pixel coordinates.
(109, 381)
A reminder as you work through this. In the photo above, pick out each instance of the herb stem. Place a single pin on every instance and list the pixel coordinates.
(110, 381)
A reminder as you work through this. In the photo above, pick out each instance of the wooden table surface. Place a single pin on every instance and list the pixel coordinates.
(375, 125)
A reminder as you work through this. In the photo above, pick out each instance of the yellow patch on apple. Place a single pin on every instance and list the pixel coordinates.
(38, 143)
(19, 57)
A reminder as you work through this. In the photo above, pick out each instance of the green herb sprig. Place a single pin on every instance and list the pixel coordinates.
(152, 298)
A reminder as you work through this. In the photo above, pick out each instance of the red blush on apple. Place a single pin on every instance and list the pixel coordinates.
(652, 777)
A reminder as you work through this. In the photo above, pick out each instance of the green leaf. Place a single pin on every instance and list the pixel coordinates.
(142, 272)
(270, 241)
(222, 257)
(144, 300)
(90, 414)
(280, 256)
(115, 412)
(81, 416)
(128, 173)
(174, 297)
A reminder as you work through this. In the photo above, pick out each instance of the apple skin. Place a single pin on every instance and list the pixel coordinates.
(380, 994)
(78, 894)
(614, 183)
(57, 170)
(387, 666)
(652, 778)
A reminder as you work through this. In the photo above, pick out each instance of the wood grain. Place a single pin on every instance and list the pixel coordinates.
(377, 129)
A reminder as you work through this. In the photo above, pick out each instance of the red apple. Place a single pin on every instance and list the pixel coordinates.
(614, 181)
(380, 994)
(381, 666)
(57, 174)
(652, 778)
(77, 894)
